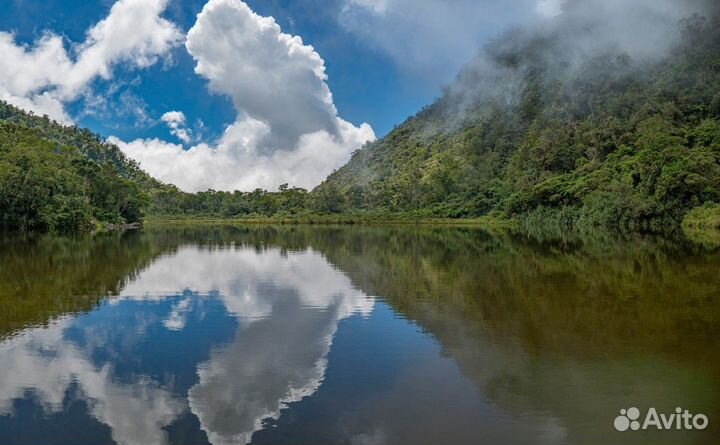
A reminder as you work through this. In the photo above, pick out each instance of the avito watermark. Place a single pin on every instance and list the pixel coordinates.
(629, 419)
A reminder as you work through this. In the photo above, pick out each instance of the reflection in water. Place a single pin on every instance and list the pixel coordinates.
(267, 335)
(287, 307)
(42, 359)
(278, 354)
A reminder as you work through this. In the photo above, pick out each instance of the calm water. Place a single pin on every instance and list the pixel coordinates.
(299, 335)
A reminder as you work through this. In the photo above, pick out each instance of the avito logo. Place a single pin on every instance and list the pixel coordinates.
(629, 419)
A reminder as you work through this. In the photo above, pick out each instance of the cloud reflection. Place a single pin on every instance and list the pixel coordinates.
(287, 306)
(43, 360)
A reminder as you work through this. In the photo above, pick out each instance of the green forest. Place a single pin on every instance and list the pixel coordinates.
(55, 178)
(610, 143)
(538, 139)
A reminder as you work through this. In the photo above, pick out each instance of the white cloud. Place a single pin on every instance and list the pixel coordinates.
(644, 29)
(549, 8)
(44, 76)
(431, 39)
(287, 128)
(379, 6)
(235, 163)
(271, 76)
(175, 120)
(174, 117)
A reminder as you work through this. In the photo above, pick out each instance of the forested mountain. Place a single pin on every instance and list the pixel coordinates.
(59, 178)
(90, 145)
(539, 129)
(532, 131)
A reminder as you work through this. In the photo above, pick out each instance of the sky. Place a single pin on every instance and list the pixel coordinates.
(232, 94)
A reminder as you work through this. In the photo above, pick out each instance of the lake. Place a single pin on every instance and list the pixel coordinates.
(353, 335)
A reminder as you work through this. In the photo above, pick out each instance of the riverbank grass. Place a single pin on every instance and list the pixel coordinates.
(486, 222)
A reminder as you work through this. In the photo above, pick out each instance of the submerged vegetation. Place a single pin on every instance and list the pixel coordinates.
(548, 142)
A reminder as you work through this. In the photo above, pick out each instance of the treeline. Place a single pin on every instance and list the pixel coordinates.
(610, 142)
(64, 178)
(48, 186)
(287, 201)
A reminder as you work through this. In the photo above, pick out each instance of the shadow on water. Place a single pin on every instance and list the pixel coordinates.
(569, 331)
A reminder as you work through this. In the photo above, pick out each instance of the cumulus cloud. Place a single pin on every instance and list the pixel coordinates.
(287, 128)
(175, 120)
(44, 76)
(270, 75)
(234, 163)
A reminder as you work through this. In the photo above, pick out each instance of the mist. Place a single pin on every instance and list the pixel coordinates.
(634, 33)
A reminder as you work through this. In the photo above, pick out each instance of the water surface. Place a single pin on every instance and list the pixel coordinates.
(357, 335)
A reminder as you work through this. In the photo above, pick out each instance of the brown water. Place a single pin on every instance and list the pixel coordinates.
(288, 335)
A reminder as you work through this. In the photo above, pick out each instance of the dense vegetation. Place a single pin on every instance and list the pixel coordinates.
(286, 201)
(90, 145)
(606, 142)
(63, 179)
(528, 135)
(527, 132)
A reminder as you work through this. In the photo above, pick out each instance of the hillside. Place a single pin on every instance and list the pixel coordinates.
(60, 178)
(546, 127)
(533, 132)
(90, 145)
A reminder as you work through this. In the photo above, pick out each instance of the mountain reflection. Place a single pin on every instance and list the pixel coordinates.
(266, 334)
(272, 316)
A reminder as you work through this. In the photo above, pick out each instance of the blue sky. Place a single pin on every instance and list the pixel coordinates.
(384, 60)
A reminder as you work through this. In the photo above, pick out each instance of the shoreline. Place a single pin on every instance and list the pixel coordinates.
(707, 236)
(482, 222)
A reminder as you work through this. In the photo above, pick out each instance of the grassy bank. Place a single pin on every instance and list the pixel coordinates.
(488, 222)
(702, 225)
(703, 218)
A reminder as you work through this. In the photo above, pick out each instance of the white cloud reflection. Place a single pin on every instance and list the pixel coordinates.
(43, 360)
(288, 306)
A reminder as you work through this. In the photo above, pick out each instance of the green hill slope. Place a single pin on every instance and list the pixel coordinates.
(533, 134)
(90, 145)
(59, 178)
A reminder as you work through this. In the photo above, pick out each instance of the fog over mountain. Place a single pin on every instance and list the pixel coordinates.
(559, 45)
(590, 115)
